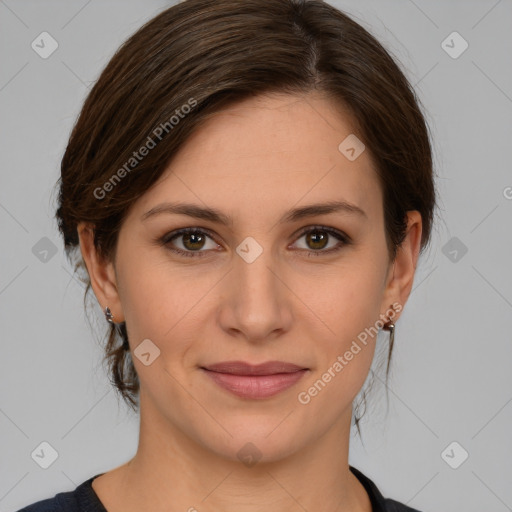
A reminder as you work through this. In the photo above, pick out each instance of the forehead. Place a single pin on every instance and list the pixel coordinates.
(263, 155)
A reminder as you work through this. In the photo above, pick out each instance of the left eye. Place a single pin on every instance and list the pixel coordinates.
(318, 238)
(194, 239)
(191, 239)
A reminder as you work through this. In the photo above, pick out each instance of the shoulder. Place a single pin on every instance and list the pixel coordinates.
(81, 499)
(395, 506)
(378, 501)
(64, 501)
(48, 505)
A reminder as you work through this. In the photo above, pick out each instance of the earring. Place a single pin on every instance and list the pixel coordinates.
(119, 328)
(390, 326)
(109, 316)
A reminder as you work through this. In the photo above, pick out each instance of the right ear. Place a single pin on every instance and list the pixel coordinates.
(101, 272)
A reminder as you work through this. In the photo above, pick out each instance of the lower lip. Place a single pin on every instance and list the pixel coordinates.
(255, 386)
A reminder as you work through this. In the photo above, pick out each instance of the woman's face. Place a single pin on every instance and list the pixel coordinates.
(271, 283)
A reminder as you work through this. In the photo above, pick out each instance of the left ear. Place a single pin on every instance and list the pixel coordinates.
(401, 274)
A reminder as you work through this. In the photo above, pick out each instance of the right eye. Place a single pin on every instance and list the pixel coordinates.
(192, 241)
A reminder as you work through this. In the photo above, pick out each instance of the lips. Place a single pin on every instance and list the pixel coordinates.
(255, 381)
(243, 368)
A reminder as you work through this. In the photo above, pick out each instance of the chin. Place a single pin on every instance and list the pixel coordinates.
(257, 443)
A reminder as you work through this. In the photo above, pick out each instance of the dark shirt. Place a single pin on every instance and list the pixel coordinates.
(84, 499)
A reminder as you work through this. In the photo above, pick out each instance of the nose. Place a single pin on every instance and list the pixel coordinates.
(256, 302)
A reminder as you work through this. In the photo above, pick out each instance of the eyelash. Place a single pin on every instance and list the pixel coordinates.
(169, 237)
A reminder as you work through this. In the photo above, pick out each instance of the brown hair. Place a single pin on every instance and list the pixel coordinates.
(199, 56)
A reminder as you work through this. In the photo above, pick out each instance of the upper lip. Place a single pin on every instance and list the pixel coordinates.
(243, 368)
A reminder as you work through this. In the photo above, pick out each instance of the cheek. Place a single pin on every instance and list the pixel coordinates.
(162, 301)
(343, 360)
(348, 305)
(346, 299)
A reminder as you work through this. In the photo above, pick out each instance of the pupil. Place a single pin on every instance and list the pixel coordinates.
(194, 238)
(318, 239)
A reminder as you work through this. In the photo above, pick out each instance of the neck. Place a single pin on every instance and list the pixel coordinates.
(172, 471)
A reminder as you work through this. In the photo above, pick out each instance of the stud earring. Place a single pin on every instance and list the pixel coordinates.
(120, 328)
(389, 326)
(109, 316)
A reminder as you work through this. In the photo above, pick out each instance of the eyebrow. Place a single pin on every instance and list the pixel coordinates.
(214, 215)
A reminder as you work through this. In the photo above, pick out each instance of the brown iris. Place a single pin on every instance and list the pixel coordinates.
(193, 239)
(316, 240)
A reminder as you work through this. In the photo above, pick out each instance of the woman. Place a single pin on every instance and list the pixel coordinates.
(248, 186)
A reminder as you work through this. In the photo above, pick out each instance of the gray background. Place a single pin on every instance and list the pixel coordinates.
(451, 378)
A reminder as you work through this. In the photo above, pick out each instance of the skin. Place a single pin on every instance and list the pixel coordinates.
(253, 161)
